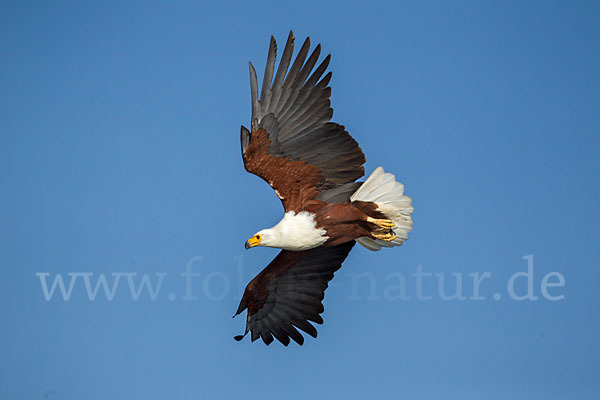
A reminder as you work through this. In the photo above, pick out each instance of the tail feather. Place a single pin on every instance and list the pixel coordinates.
(382, 189)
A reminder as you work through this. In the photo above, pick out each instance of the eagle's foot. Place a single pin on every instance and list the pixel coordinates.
(382, 223)
(388, 237)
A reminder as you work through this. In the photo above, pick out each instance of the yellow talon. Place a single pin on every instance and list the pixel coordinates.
(382, 223)
(388, 237)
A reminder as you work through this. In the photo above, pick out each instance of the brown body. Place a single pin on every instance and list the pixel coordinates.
(344, 222)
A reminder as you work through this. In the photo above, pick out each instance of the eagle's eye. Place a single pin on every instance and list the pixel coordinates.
(257, 236)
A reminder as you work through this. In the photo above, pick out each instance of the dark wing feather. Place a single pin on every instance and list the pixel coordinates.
(287, 294)
(293, 145)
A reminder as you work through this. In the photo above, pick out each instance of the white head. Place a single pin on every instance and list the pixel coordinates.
(294, 232)
(264, 238)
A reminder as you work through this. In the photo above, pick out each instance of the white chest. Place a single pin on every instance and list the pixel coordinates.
(299, 232)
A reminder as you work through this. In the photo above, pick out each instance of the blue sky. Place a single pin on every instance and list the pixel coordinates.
(119, 153)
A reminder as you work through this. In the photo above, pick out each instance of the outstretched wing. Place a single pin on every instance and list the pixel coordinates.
(287, 294)
(293, 145)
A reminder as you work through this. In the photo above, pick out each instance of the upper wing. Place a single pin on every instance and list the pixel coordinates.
(293, 146)
(288, 293)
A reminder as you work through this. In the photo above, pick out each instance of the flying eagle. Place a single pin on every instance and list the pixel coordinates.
(312, 164)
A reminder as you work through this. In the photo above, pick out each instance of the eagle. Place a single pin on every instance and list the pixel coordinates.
(312, 164)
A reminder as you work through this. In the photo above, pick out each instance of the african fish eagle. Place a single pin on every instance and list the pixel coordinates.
(312, 164)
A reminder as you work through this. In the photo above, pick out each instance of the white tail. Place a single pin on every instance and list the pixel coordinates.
(382, 189)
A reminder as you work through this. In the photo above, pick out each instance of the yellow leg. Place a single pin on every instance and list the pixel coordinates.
(382, 223)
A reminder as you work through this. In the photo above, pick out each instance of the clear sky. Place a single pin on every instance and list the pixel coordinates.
(119, 154)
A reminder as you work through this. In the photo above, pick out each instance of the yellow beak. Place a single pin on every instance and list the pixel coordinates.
(253, 241)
